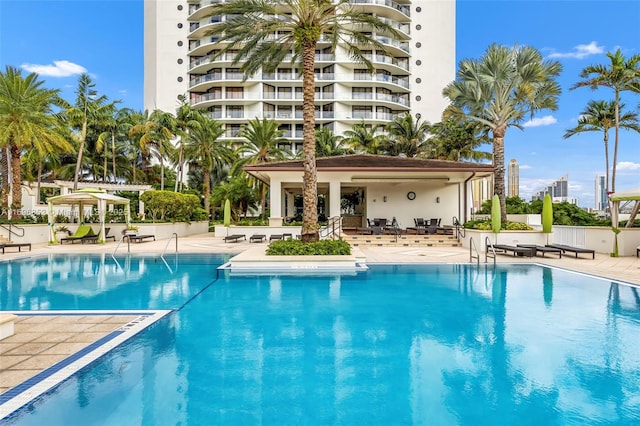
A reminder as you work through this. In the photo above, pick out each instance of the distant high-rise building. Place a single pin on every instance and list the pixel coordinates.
(559, 191)
(601, 193)
(513, 173)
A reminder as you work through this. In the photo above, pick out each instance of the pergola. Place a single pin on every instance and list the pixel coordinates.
(624, 197)
(84, 197)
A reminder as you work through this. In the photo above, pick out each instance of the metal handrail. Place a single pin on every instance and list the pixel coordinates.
(331, 228)
(168, 241)
(11, 231)
(472, 247)
(460, 231)
(489, 245)
(120, 242)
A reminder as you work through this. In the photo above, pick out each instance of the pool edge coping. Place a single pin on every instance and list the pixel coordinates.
(18, 397)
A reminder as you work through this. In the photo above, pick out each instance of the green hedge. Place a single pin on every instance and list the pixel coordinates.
(485, 225)
(298, 248)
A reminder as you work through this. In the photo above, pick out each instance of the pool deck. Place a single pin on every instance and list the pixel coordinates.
(42, 341)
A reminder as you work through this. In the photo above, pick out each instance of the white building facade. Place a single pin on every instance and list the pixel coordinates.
(408, 77)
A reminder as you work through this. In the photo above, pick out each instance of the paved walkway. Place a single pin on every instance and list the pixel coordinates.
(41, 341)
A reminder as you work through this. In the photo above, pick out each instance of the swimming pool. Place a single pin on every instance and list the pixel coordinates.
(416, 344)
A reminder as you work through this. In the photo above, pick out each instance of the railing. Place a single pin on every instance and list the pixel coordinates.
(333, 228)
(472, 248)
(10, 227)
(489, 245)
(165, 250)
(460, 231)
(120, 242)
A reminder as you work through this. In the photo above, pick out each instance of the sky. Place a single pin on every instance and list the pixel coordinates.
(60, 39)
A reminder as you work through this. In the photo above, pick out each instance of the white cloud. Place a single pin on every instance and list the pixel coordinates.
(123, 92)
(628, 166)
(580, 51)
(58, 69)
(525, 167)
(547, 120)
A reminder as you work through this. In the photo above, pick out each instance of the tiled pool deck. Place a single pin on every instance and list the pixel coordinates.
(49, 346)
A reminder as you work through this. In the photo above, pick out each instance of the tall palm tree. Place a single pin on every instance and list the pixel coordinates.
(499, 90)
(184, 115)
(89, 110)
(600, 116)
(26, 122)
(362, 139)
(206, 151)
(457, 140)
(260, 145)
(118, 125)
(264, 32)
(407, 136)
(621, 75)
(328, 144)
(155, 136)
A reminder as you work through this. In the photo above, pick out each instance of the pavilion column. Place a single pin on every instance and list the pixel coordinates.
(276, 202)
(334, 198)
(140, 204)
(291, 209)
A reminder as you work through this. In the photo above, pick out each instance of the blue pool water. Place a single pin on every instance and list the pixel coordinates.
(414, 344)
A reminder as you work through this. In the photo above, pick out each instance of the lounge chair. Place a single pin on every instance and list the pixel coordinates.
(140, 238)
(574, 250)
(81, 232)
(234, 238)
(94, 238)
(517, 251)
(257, 238)
(638, 251)
(275, 237)
(18, 245)
(542, 249)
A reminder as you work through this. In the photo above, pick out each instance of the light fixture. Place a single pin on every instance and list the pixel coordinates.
(437, 199)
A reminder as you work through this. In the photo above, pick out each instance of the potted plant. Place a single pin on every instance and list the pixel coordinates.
(62, 231)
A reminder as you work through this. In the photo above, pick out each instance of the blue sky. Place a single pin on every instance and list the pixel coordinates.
(60, 39)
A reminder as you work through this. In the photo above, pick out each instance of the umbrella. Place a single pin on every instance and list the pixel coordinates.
(227, 215)
(496, 223)
(547, 215)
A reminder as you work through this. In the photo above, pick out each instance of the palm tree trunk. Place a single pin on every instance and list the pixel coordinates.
(4, 189)
(606, 160)
(83, 136)
(498, 170)
(206, 189)
(309, 231)
(16, 184)
(104, 165)
(39, 181)
(113, 155)
(161, 173)
(615, 142)
(263, 201)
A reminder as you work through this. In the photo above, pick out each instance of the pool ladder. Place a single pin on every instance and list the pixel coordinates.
(473, 248)
(165, 250)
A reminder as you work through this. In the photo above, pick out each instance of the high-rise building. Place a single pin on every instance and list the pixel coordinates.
(559, 191)
(513, 176)
(409, 76)
(601, 193)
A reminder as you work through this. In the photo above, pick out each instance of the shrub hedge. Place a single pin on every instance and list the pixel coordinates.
(298, 248)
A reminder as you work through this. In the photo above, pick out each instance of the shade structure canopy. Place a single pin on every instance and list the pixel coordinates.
(620, 197)
(84, 197)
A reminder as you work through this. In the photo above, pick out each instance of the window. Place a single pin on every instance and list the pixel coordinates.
(179, 7)
(418, 80)
(180, 25)
(418, 27)
(180, 43)
(180, 61)
(418, 62)
(418, 45)
(418, 9)
(180, 79)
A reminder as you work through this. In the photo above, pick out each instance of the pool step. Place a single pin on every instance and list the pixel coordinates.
(7, 327)
(402, 240)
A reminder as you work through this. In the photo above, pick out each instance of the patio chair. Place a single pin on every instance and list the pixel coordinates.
(95, 238)
(81, 232)
(575, 250)
(257, 238)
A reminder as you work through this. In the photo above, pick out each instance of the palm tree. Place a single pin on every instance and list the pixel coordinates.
(621, 75)
(600, 116)
(407, 136)
(261, 145)
(204, 150)
(499, 90)
(264, 33)
(27, 122)
(118, 126)
(454, 139)
(89, 110)
(155, 136)
(362, 139)
(328, 144)
(184, 115)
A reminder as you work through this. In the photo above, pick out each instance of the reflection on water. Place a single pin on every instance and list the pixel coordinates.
(103, 282)
(434, 344)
